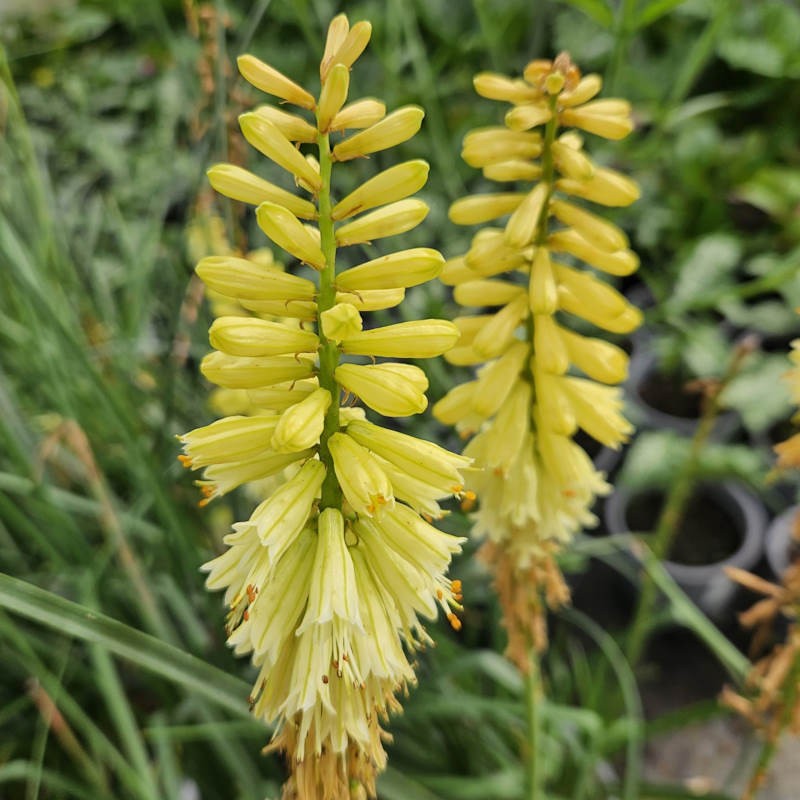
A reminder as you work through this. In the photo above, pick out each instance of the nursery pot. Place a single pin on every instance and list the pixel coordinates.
(723, 525)
(781, 549)
(659, 401)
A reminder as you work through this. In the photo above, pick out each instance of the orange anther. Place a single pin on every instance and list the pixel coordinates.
(456, 585)
(455, 622)
(185, 460)
(246, 615)
(439, 593)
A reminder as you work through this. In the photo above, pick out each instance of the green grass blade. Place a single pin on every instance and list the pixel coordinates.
(148, 652)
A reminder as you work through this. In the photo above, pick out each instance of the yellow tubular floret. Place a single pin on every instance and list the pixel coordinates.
(286, 230)
(269, 80)
(386, 187)
(333, 96)
(390, 220)
(397, 127)
(293, 127)
(424, 338)
(399, 270)
(243, 336)
(247, 280)
(239, 184)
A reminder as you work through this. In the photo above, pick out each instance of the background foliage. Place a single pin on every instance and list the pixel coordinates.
(115, 679)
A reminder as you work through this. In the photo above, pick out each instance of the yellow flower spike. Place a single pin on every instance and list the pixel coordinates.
(360, 114)
(399, 217)
(542, 287)
(620, 262)
(239, 184)
(496, 144)
(600, 360)
(530, 115)
(286, 230)
(245, 336)
(483, 207)
(423, 338)
(423, 461)
(599, 232)
(504, 171)
(363, 482)
(267, 139)
(586, 89)
(384, 389)
(337, 32)
(598, 410)
(300, 426)
(500, 87)
(230, 439)
(269, 80)
(246, 280)
(521, 228)
(572, 162)
(607, 187)
(372, 299)
(549, 346)
(386, 187)
(486, 293)
(333, 96)
(398, 270)
(251, 373)
(282, 395)
(340, 322)
(294, 128)
(498, 378)
(497, 334)
(397, 127)
(354, 44)
(605, 125)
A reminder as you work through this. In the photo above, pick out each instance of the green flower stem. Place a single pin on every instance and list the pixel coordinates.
(328, 351)
(534, 698)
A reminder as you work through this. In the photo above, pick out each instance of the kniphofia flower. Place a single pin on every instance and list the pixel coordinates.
(328, 580)
(538, 381)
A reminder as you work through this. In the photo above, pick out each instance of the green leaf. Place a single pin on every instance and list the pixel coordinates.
(594, 9)
(653, 459)
(169, 662)
(655, 10)
(760, 393)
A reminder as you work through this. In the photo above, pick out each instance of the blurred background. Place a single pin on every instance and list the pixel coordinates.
(110, 113)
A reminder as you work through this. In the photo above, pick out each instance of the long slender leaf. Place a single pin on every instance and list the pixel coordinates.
(148, 652)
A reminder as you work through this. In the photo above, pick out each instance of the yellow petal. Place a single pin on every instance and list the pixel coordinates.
(423, 338)
(388, 186)
(515, 170)
(340, 322)
(596, 230)
(521, 228)
(607, 187)
(354, 44)
(542, 288)
(286, 230)
(486, 293)
(480, 208)
(337, 32)
(530, 115)
(294, 128)
(300, 426)
(399, 126)
(239, 184)
(588, 86)
(333, 95)
(572, 162)
(248, 336)
(252, 373)
(398, 270)
(390, 220)
(492, 145)
(384, 389)
(244, 279)
(498, 333)
(269, 80)
(548, 345)
(620, 262)
(600, 360)
(360, 114)
(609, 127)
(372, 299)
(500, 87)
(267, 139)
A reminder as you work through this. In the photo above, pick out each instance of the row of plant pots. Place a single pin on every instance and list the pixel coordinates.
(725, 524)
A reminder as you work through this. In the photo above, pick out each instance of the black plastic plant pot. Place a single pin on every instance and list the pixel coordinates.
(723, 525)
(780, 545)
(659, 401)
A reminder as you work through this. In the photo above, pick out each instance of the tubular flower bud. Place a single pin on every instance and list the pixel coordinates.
(387, 221)
(424, 338)
(384, 389)
(269, 80)
(239, 184)
(538, 486)
(242, 336)
(394, 129)
(267, 139)
(247, 280)
(340, 321)
(300, 426)
(328, 579)
(398, 270)
(388, 186)
(293, 127)
(288, 232)
(333, 96)
(360, 114)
